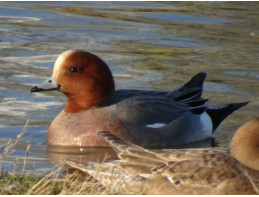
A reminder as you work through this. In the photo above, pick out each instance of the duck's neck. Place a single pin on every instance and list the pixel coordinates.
(245, 144)
(85, 100)
(73, 106)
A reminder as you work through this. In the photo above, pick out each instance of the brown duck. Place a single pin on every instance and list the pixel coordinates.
(182, 171)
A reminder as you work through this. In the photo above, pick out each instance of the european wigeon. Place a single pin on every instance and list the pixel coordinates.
(152, 119)
(182, 171)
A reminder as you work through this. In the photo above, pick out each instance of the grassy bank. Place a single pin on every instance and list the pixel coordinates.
(59, 181)
(72, 183)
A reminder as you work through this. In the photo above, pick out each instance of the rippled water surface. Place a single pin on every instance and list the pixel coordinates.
(148, 45)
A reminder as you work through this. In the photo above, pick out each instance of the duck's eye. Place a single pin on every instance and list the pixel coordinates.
(74, 69)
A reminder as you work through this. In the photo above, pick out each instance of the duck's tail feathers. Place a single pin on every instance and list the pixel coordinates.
(188, 95)
(197, 106)
(219, 113)
(192, 90)
(196, 81)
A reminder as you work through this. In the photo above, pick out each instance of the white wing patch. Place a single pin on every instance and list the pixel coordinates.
(156, 125)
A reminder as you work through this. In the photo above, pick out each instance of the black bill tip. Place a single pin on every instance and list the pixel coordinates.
(36, 89)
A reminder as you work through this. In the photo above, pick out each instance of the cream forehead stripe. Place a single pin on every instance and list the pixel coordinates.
(60, 61)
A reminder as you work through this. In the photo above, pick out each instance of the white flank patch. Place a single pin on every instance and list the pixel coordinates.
(206, 124)
(155, 125)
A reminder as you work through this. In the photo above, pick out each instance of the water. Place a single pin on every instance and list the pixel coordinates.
(148, 45)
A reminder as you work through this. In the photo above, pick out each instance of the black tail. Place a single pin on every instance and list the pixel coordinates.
(191, 90)
(219, 113)
(196, 81)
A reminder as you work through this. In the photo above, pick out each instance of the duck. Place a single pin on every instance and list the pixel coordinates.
(201, 171)
(151, 119)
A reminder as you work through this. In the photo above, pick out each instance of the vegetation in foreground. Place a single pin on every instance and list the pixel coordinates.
(74, 183)
(57, 182)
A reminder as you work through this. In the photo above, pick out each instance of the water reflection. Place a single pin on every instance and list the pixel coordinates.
(148, 45)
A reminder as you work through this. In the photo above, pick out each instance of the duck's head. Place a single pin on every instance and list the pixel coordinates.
(83, 77)
(245, 144)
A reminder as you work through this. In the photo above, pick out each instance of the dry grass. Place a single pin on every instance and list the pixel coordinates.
(74, 183)
(59, 181)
